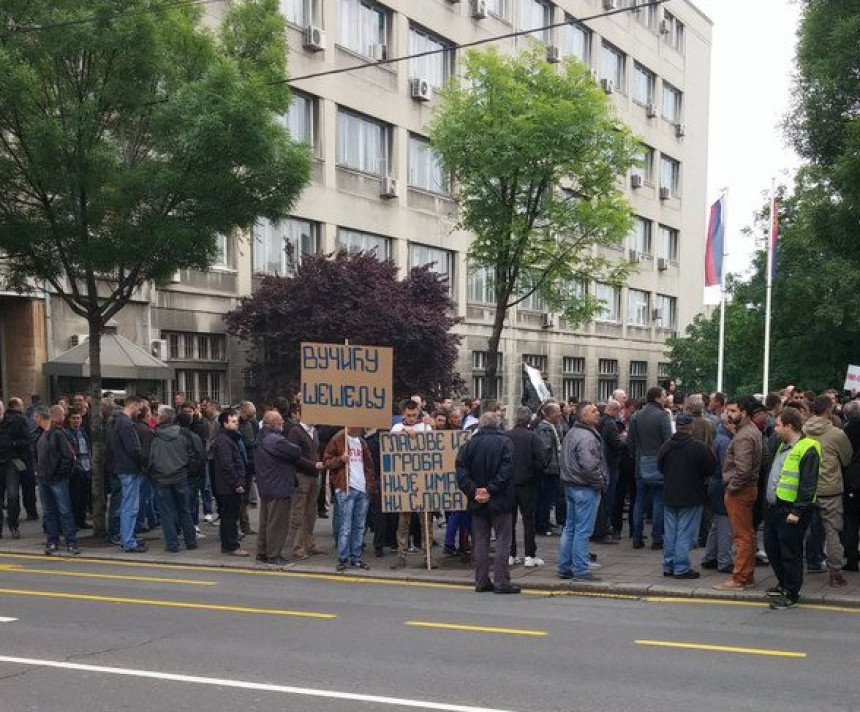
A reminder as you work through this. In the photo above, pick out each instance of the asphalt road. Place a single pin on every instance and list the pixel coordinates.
(87, 636)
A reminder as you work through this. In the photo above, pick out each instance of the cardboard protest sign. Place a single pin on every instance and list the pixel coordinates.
(852, 379)
(347, 385)
(418, 472)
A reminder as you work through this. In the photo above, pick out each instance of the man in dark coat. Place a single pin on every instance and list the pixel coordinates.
(228, 480)
(530, 458)
(485, 476)
(686, 464)
(15, 457)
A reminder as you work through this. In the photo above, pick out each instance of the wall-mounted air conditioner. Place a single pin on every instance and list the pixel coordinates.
(314, 39)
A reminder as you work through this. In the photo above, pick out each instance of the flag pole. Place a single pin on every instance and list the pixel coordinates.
(721, 348)
(769, 288)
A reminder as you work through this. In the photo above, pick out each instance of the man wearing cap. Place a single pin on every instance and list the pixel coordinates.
(686, 464)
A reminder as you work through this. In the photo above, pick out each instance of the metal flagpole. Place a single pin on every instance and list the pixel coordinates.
(721, 349)
(769, 288)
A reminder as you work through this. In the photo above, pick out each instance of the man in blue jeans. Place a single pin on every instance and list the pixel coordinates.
(584, 475)
(127, 458)
(55, 463)
(650, 427)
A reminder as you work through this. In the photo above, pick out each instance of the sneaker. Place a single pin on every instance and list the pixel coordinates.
(532, 561)
(360, 565)
(783, 603)
(341, 566)
(52, 550)
(587, 577)
(592, 566)
(691, 574)
(214, 519)
(761, 559)
(514, 561)
(199, 534)
(209, 518)
(774, 592)
(137, 549)
(115, 541)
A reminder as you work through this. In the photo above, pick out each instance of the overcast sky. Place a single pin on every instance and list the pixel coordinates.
(752, 63)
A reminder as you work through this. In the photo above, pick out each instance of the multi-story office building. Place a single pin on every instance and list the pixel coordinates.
(376, 185)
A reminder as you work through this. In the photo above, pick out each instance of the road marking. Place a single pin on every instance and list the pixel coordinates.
(4, 619)
(476, 628)
(109, 577)
(722, 648)
(754, 604)
(238, 684)
(167, 604)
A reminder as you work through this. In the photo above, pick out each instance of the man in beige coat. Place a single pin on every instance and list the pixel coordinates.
(836, 453)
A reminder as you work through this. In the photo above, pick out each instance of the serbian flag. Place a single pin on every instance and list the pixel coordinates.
(714, 246)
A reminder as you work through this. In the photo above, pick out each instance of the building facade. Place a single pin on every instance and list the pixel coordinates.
(377, 185)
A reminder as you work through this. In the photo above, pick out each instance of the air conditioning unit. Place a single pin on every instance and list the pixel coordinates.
(636, 180)
(379, 52)
(610, 4)
(651, 111)
(479, 9)
(553, 54)
(546, 321)
(632, 256)
(419, 89)
(680, 130)
(662, 264)
(314, 38)
(607, 85)
(78, 339)
(389, 187)
(656, 314)
(665, 193)
(158, 348)
(665, 27)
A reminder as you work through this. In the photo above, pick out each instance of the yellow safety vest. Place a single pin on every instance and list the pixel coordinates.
(789, 477)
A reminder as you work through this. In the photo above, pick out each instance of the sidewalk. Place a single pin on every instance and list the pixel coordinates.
(625, 571)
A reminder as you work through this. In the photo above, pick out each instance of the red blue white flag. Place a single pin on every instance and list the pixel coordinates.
(714, 245)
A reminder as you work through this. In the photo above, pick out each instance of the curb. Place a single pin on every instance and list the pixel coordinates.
(635, 591)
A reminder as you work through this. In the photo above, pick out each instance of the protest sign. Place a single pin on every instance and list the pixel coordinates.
(347, 385)
(418, 472)
(852, 379)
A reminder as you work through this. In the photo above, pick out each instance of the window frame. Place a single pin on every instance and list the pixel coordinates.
(359, 44)
(607, 48)
(381, 241)
(264, 245)
(673, 238)
(541, 35)
(419, 34)
(674, 184)
(640, 71)
(446, 255)
(344, 117)
(567, 40)
(638, 308)
(609, 311)
(677, 104)
(444, 187)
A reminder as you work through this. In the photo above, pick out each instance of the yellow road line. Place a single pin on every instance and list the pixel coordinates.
(706, 601)
(477, 628)
(722, 648)
(166, 604)
(109, 577)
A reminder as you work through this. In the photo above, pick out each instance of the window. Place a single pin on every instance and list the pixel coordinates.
(425, 168)
(301, 118)
(670, 174)
(637, 307)
(499, 8)
(363, 26)
(576, 40)
(197, 385)
(675, 36)
(667, 243)
(538, 361)
(441, 261)
(640, 238)
(362, 143)
(664, 370)
(671, 104)
(354, 241)
(481, 290)
(572, 388)
(612, 65)
(573, 364)
(173, 346)
(607, 380)
(278, 247)
(644, 82)
(573, 377)
(534, 302)
(299, 12)
(610, 299)
(203, 347)
(479, 379)
(222, 252)
(536, 15)
(666, 311)
(645, 167)
(638, 379)
(186, 346)
(646, 13)
(435, 68)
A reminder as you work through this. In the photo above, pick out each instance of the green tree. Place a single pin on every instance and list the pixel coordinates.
(535, 153)
(131, 136)
(824, 124)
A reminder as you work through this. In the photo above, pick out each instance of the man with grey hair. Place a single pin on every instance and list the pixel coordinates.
(54, 464)
(485, 476)
(551, 430)
(171, 456)
(529, 461)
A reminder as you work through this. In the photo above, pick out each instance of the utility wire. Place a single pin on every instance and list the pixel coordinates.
(466, 45)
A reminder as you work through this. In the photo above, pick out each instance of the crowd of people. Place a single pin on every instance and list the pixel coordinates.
(704, 470)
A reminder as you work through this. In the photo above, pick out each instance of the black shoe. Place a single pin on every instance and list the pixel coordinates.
(378, 552)
(73, 550)
(708, 564)
(341, 566)
(605, 540)
(322, 515)
(171, 549)
(139, 549)
(32, 516)
(565, 574)
(450, 550)
(820, 569)
(638, 544)
(360, 565)
(726, 569)
(191, 547)
(485, 588)
(783, 603)
(262, 558)
(656, 545)
(52, 550)
(16, 533)
(509, 588)
(691, 574)
(668, 573)
(774, 592)
(277, 561)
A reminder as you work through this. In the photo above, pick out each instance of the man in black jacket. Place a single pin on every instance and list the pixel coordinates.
(485, 476)
(54, 464)
(14, 461)
(530, 458)
(686, 464)
(609, 428)
(127, 462)
(228, 480)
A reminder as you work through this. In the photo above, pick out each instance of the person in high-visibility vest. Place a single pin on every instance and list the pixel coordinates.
(791, 490)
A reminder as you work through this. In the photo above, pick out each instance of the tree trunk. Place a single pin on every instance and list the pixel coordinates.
(97, 428)
(490, 392)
